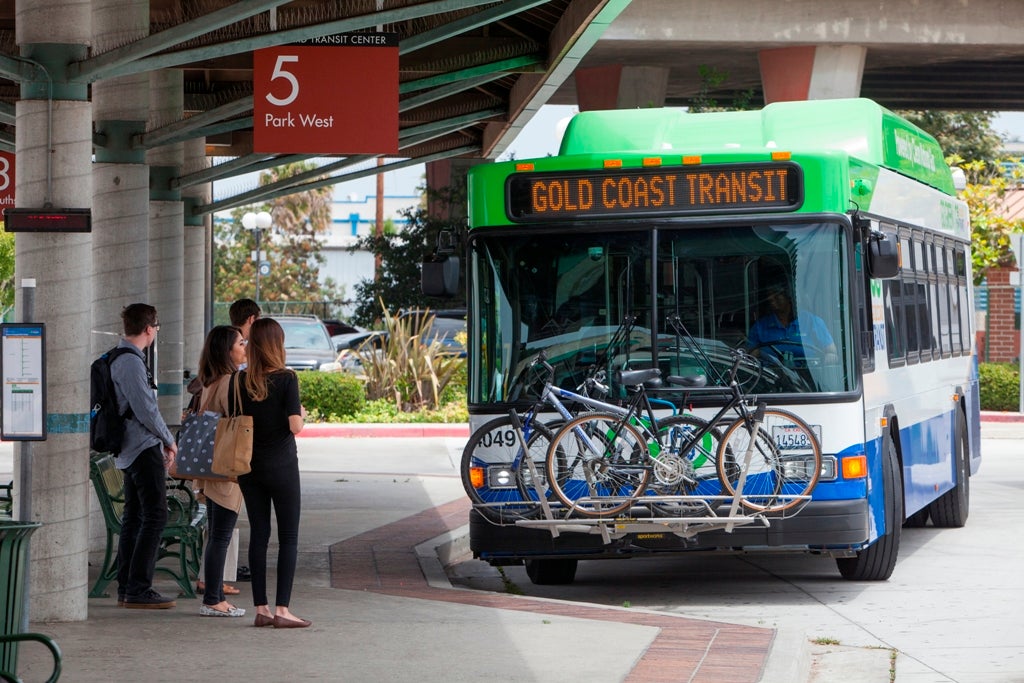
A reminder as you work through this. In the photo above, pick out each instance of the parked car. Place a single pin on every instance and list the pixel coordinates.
(307, 344)
(336, 327)
(447, 326)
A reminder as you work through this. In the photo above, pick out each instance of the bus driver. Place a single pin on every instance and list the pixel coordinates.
(790, 338)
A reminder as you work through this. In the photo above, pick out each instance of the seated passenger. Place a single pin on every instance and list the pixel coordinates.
(789, 338)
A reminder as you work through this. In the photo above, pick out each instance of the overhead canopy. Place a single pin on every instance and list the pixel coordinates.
(471, 73)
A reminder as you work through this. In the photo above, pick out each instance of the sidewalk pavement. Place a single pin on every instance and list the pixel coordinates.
(381, 517)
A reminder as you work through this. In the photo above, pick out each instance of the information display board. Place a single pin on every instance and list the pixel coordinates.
(334, 94)
(23, 367)
(669, 190)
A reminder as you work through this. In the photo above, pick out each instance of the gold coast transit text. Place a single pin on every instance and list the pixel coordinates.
(664, 191)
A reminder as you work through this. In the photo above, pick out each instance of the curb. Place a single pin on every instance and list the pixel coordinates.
(993, 416)
(316, 430)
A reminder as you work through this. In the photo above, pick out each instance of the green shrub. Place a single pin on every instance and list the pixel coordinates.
(330, 395)
(999, 385)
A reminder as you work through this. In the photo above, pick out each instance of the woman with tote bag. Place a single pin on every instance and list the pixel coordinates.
(223, 352)
(270, 394)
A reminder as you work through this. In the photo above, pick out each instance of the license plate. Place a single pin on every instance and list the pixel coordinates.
(792, 438)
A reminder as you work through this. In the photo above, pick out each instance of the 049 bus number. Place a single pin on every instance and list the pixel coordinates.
(500, 438)
(792, 438)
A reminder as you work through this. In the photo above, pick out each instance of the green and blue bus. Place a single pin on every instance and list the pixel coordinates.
(840, 206)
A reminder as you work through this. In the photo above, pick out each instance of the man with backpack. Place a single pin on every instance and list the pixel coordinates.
(146, 450)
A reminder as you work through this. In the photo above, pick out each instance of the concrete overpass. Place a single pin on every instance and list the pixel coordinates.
(117, 105)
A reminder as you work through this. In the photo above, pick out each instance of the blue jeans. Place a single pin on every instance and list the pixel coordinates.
(220, 526)
(142, 522)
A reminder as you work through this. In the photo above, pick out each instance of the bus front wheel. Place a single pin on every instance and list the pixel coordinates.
(876, 562)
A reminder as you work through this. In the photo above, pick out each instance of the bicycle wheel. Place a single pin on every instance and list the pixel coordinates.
(683, 467)
(785, 461)
(490, 465)
(597, 465)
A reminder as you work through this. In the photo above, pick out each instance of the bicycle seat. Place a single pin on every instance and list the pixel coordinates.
(632, 378)
(691, 381)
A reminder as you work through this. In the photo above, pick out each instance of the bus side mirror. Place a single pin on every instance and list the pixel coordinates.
(440, 275)
(883, 256)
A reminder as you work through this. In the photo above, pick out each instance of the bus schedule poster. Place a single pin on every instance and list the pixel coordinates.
(22, 364)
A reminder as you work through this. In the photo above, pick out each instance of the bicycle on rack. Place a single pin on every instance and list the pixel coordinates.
(506, 485)
(601, 464)
(492, 465)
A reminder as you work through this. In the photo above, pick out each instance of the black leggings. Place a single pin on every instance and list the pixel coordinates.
(220, 527)
(261, 489)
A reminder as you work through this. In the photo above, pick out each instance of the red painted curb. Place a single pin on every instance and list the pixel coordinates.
(385, 430)
(993, 416)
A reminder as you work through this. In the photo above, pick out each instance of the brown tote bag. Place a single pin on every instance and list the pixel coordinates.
(232, 447)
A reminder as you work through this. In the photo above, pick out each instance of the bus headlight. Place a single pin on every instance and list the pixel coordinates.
(801, 469)
(828, 468)
(500, 477)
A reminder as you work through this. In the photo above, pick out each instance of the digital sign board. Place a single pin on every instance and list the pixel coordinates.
(48, 220)
(664, 190)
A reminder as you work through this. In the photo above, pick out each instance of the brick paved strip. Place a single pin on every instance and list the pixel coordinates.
(384, 560)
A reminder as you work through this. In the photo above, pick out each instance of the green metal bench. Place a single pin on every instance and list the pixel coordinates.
(14, 543)
(182, 538)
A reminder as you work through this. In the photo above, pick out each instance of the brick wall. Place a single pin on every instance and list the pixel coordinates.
(1003, 337)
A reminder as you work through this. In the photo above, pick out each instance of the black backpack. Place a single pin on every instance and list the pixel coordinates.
(106, 424)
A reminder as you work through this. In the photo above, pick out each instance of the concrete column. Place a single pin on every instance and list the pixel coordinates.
(120, 238)
(198, 257)
(809, 72)
(53, 140)
(621, 87)
(166, 244)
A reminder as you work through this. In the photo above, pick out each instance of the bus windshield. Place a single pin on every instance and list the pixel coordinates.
(780, 290)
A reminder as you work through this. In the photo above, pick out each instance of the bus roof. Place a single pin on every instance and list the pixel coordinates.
(859, 127)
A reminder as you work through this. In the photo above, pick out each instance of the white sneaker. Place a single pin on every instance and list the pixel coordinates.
(208, 611)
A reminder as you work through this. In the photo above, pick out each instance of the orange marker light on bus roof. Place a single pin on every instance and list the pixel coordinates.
(781, 156)
(613, 163)
(524, 167)
(691, 160)
(652, 161)
(855, 467)
(476, 477)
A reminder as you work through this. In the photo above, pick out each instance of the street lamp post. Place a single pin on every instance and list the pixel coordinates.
(257, 222)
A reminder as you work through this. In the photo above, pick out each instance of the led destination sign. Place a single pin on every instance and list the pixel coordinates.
(663, 190)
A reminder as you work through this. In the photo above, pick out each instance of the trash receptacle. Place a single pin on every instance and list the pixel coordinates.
(14, 537)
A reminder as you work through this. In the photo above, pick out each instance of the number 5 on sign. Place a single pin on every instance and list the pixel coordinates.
(279, 72)
(315, 98)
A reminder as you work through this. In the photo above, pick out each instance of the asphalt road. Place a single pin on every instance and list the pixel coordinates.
(950, 612)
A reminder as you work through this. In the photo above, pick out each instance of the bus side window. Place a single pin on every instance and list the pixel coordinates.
(894, 322)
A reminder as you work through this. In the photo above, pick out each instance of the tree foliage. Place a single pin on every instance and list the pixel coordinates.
(7, 287)
(292, 246)
(985, 195)
(713, 80)
(401, 253)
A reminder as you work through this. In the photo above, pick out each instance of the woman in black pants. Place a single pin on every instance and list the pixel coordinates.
(223, 352)
(270, 393)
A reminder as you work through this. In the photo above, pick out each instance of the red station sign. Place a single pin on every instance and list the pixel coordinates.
(335, 94)
(6, 180)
